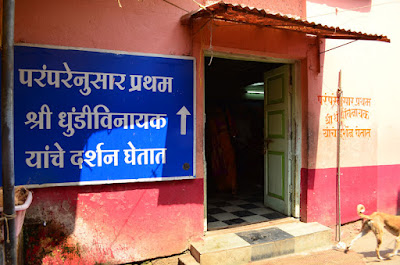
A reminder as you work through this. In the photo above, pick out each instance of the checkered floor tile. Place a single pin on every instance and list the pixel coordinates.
(225, 210)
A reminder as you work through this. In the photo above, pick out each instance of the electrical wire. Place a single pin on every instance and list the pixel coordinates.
(338, 46)
(166, 1)
(181, 8)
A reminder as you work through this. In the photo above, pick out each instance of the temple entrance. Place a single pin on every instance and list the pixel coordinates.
(247, 169)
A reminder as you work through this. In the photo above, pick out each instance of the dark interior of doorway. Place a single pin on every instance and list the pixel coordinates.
(234, 105)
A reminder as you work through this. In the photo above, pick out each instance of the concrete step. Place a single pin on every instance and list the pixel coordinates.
(187, 259)
(235, 248)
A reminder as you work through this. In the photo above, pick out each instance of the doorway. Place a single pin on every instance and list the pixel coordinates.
(247, 116)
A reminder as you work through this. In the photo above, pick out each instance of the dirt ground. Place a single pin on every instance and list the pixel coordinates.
(365, 246)
(363, 252)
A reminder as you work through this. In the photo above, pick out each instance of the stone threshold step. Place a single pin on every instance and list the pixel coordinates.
(243, 247)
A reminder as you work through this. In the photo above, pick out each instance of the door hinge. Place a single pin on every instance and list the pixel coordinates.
(290, 81)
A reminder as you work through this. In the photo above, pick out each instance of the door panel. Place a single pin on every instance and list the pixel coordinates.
(276, 185)
(276, 124)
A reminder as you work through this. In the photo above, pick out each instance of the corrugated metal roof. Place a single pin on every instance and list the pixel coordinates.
(249, 15)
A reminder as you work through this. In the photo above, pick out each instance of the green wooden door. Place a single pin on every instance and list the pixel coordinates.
(276, 138)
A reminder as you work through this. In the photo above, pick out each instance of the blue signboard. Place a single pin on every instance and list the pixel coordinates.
(92, 117)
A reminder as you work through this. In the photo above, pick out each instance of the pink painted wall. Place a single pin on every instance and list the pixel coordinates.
(319, 192)
(117, 223)
(149, 26)
(389, 189)
(376, 187)
(370, 165)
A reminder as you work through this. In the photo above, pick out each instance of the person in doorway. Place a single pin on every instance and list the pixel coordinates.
(242, 124)
(223, 162)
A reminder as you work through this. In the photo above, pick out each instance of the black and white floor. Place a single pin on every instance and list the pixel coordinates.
(226, 210)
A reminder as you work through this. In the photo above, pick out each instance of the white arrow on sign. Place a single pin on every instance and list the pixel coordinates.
(183, 112)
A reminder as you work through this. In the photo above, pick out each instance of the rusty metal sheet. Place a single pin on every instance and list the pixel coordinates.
(260, 17)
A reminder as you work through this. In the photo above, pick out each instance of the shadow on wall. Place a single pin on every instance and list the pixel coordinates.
(358, 6)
